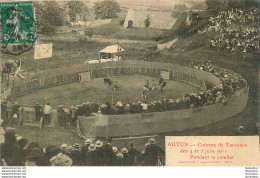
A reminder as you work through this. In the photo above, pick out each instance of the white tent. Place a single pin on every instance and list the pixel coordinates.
(111, 52)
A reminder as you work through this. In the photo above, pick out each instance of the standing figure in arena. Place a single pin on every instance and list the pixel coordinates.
(144, 95)
(160, 81)
(163, 85)
(153, 85)
(15, 113)
(115, 87)
(147, 84)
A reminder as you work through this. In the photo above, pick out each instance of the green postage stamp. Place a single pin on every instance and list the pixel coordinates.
(17, 27)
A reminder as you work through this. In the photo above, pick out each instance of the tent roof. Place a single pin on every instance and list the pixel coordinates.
(112, 49)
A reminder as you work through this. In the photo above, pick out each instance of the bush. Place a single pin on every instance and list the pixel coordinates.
(130, 24)
(147, 22)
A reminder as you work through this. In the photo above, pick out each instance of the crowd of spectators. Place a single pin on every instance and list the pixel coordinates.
(246, 40)
(239, 36)
(237, 16)
(234, 16)
(17, 151)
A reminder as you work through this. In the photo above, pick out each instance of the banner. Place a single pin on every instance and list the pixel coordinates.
(42, 51)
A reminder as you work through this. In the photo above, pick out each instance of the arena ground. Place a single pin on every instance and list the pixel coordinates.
(129, 91)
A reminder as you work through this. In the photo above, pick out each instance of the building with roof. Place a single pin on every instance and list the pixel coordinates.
(158, 19)
(114, 52)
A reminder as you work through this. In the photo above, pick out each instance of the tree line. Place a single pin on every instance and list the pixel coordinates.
(51, 14)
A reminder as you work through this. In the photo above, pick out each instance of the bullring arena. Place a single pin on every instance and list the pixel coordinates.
(161, 112)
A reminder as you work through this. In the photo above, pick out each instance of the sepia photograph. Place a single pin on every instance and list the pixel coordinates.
(105, 82)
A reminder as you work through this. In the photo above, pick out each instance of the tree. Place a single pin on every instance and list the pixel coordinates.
(106, 9)
(77, 8)
(48, 15)
(147, 22)
(53, 13)
(130, 24)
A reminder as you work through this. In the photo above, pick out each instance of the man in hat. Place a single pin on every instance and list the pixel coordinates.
(127, 159)
(61, 116)
(49, 153)
(119, 159)
(34, 157)
(91, 158)
(38, 112)
(94, 107)
(64, 149)
(114, 158)
(133, 153)
(61, 160)
(84, 150)
(75, 155)
(100, 153)
(12, 154)
(108, 153)
(151, 153)
(72, 116)
(47, 114)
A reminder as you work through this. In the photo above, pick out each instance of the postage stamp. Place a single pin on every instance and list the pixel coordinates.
(17, 27)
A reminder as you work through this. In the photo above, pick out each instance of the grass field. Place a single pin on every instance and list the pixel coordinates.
(129, 91)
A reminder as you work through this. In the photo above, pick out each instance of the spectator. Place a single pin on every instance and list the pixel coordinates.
(10, 151)
(133, 154)
(38, 112)
(72, 116)
(34, 157)
(151, 153)
(47, 114)
(50, 152)
(61, 160)
(61, 116)
(91, 159)
(75, 155)
(100, 153)
(119, 159)
(114, 158)
(108, 153)
(15, 114)
(127, 159)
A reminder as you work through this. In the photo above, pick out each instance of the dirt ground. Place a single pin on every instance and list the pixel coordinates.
(129, 91)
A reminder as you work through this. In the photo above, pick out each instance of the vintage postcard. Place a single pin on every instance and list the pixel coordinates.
(130, 83)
